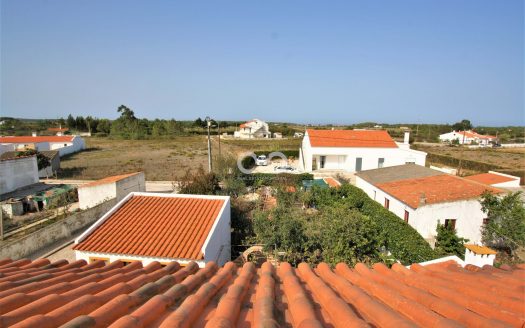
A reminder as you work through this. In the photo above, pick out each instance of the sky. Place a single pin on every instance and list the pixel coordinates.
(339, 62)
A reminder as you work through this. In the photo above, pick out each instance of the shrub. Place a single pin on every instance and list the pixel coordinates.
(448, 242)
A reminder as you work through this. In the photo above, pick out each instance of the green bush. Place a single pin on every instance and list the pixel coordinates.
(465, 164)
(271, 179)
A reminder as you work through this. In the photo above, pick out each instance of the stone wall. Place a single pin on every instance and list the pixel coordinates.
(20, 247)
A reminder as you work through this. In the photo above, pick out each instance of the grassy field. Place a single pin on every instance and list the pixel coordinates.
(160, 159)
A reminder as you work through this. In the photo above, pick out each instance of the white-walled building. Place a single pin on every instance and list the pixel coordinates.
(422, 197)
(479, 255)
(46, 172)
(118, 186)
(17, 173)
(496, 179)
(467, 138)
(355, 150)
(159, 227)
(253, 129)
(64, 144)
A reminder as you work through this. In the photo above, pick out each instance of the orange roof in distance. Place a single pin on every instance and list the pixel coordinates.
(480, 250)
(30, 139)
(351, 138)
(107, 180)
(435, 189)
(489, 178)
(158, 226)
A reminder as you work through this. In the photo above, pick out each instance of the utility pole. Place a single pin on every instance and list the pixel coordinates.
(208, 123)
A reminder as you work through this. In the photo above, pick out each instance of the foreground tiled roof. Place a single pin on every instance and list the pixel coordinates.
(435, 189)
(36, 139)
(169, 227)
(44, 294)
(489, 178)
(110, 179)
(351, 138)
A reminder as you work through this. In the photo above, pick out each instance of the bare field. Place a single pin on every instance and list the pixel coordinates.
(160, 159)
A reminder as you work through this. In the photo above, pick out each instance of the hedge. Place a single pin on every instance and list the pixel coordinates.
(465, 164)
(403, 241)
(269, 179)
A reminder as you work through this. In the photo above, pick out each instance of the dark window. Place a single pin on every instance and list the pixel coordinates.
(450, 224)
(387, 203)
(486, 221)
(380, 162)
(406, 216)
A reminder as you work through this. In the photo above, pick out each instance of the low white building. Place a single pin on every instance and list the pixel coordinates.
(64, 144)
(479, 255)
(423, 197)
(118, 186)
(253, 129)
(17, 172)
(467, 138)
(160, 227)
(355, 150)
(496, 179)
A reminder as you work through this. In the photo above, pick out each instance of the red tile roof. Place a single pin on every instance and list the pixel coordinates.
(246, 124)
(158, 226)
(333, 183)
(44, 294)
(107, 180)
(351, 138)
(36, 139)
(436, 189)
(489, 178)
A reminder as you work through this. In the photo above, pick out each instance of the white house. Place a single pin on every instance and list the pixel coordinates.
(160, 227)
(253, 129)
(496, 179)
(479, 255)
(118, 186)
(422, 197)
(467, 138)
(64, 144)
(355, 150)
(17, 173)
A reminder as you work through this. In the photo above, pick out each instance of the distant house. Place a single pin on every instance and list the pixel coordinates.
(58, 131)
(354, 150)
(467, 138)
(64, 144)
(17, 172)
(422, 197)
(253, 129)
(49, 171)
(496, 179)
(150, 227)
(113, 187)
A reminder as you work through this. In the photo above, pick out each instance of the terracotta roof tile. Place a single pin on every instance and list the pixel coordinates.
(115, 295)
(110, 179)
(435, 189)
(489, 178)
(351, 138)
(29, 139)
(150, 225)
(333, 183)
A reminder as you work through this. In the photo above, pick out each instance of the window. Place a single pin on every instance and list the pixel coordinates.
(406, 216)
(450, 223)
(96, 259)
(65, 145)
(387, 203)
(380, 163)
(375, 193)
(486, 221)
(358, 164)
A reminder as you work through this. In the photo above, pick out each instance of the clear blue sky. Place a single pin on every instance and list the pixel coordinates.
(301, 61)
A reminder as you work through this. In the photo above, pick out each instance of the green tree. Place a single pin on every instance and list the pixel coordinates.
(448, 242)
(126, 113)
(462, 126)
(505, 230)
(104, 126)
(71, 122)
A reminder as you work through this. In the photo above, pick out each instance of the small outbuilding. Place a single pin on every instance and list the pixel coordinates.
(150, 227)
(479, 255)
(118, 186)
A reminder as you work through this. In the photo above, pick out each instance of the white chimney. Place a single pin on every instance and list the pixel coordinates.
(33, 134)
(407, 138)
(422, 199)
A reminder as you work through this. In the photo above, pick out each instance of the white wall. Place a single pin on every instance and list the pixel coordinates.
(468, 214)
(478, 259)
(17, 173)
(76, 145)
(370, 157)
(91, 196)
(217, 246)
(6, 147)
(509, 184)
(130, 184)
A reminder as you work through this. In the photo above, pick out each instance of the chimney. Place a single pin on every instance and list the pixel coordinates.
(422, 199)
(407, 138)
(33, 134)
